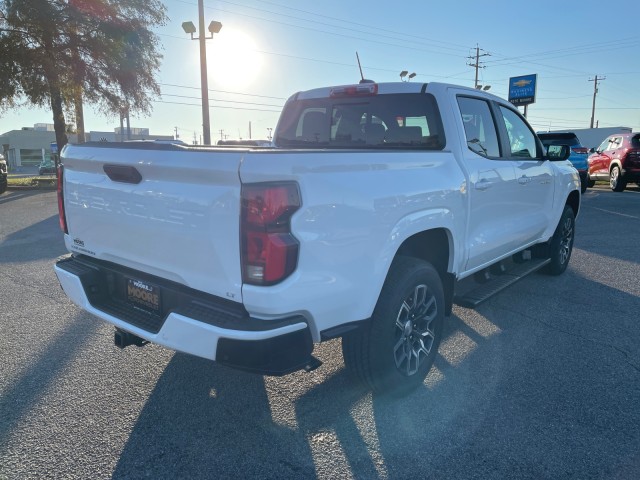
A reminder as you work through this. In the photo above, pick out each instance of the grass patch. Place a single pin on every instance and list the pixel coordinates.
(38, 181)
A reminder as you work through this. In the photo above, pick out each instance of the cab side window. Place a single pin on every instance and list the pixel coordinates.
(522, 140)
(479, 127)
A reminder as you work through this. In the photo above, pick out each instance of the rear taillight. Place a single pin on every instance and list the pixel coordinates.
(61, 215)
(579, 149)
(269, 250)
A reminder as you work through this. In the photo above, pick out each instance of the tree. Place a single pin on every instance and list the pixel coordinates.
(58, 52)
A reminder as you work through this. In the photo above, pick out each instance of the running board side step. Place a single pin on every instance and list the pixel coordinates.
(484, 291)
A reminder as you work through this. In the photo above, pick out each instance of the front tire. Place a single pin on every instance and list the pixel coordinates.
(561, 244)
(616, 182)
(396, 351)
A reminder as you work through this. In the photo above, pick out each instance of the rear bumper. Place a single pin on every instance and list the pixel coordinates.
(631, 174)
(188, 321)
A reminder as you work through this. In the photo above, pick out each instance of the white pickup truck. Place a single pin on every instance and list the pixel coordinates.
(363, 221)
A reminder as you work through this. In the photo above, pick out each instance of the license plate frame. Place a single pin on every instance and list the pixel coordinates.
(143, 295)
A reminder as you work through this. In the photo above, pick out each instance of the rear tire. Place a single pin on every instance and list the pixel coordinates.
(591, 183)
(561, 244)
(396, 351)
(616, 181)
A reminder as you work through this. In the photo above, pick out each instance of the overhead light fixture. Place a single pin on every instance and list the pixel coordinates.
(214, 27)
(486, 87)
(189, 27)
(411, 75)
(403, 73)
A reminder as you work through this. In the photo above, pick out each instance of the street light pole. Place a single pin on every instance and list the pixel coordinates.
(204, 83)
(190, 28)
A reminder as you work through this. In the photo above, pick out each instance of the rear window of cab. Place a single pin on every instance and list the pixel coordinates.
(389, 121)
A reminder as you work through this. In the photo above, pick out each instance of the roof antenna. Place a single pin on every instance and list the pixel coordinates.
(362, 79)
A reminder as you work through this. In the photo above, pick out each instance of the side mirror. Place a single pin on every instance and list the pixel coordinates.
(592, 150)
(558, 152)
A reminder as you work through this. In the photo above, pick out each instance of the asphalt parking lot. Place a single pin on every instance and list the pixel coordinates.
(541, 381)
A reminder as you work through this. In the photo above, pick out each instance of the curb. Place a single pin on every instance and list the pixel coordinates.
(30, 187)
(37, 182)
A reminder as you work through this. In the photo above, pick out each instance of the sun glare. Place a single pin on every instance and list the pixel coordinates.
(233, 60)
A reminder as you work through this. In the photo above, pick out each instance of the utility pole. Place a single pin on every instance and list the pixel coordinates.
(176, 133)
(477, 63)
(595, 91)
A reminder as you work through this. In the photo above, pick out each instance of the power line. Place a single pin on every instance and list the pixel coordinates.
(337, 34)
(222, 91)
(217, 106)
(400, 35)
(221, 100)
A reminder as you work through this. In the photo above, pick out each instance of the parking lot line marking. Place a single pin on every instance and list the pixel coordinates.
(616, 213)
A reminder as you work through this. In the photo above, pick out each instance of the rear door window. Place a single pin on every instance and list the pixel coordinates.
(479, 126)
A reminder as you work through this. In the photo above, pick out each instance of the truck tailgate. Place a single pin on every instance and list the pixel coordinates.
(179, 219)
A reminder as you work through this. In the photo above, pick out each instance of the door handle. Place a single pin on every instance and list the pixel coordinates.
(523, 180)
(483, 184)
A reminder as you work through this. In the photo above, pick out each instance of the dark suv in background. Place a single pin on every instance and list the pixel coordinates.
(3, 174)
(578, 156)
(617, 160)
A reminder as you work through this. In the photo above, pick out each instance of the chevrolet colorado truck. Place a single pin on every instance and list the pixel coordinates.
(378, 207)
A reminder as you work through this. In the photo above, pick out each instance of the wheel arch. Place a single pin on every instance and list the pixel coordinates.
(616, 163)
(436, 247)
(573, 200)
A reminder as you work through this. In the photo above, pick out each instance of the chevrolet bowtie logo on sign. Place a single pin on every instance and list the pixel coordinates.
(522, 83)
(522, 90)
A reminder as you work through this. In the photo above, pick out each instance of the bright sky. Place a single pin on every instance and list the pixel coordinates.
(270, 49)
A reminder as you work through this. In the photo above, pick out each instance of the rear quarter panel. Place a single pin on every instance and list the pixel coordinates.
(357, 209)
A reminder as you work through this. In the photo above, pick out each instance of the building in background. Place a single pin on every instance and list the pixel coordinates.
(29, 146)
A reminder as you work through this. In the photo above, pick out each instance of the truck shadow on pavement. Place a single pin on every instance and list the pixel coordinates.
(27, 390)
(18, 195)
(517, 389)
(39, 241)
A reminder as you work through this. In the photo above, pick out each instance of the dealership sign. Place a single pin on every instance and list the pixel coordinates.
(522, 90)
